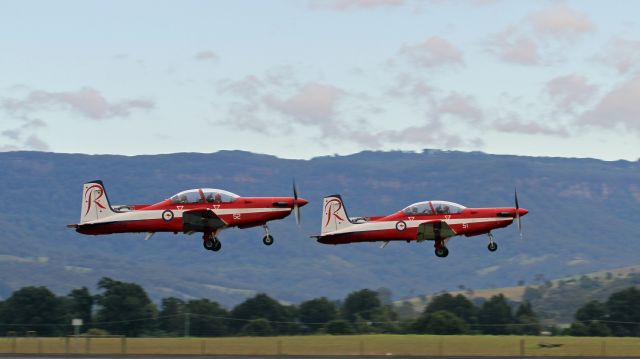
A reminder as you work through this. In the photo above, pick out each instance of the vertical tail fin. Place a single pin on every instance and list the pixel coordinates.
(95, 204)
(334, 215)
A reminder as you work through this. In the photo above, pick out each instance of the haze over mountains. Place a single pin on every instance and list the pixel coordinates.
(583, 217)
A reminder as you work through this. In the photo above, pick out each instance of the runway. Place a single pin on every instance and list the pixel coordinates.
(30, 356)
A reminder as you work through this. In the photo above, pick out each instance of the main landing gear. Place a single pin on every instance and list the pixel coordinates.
(268, 238)
(441, 249)
(210, 242)
(493, 246)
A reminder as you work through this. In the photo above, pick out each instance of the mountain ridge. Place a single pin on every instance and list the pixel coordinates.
(41, 192)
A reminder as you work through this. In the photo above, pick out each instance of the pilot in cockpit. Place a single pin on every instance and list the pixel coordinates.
(442, 209)
(214, 198)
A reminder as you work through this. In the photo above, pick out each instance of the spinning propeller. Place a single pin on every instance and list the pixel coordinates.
(296, 208)
(518, 214)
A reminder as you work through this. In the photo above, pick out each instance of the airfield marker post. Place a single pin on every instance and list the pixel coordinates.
(76, 323)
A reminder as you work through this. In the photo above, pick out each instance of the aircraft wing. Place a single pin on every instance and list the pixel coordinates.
(201, 221)
(435, 230)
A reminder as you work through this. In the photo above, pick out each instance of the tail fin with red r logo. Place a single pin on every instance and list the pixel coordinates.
(334, 215)
(95, 204)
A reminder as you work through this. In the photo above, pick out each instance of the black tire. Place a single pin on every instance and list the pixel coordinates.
(442, 252)
(216, 245)
(267, 240)
(493, 246)
(208, 244)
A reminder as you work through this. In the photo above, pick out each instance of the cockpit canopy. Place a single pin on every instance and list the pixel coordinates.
(433, 207)
(204, 195)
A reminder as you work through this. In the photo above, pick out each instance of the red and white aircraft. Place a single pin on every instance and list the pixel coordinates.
(203, 210)
(436, 221)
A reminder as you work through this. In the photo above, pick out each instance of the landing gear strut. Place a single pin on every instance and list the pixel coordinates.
(210, 242)
(493, 246)
(441, 249)
(268, 238)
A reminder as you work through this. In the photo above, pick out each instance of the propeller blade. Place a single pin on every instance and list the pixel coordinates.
(518, 214)
(296, 208)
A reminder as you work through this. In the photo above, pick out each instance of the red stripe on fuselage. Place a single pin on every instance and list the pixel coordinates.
(244, 217)
(464, 228)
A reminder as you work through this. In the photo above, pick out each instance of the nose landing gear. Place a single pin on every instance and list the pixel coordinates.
(493, 246)
(268, 238)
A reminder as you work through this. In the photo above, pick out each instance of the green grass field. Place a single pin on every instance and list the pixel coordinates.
(331, 345)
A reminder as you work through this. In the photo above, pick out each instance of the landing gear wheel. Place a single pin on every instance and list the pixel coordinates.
(208, 244)
(442, 252)
(493, 246)
(216, 245)
(267, 240)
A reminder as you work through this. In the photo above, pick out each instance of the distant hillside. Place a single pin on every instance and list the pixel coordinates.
(583, 218)
(556, 300)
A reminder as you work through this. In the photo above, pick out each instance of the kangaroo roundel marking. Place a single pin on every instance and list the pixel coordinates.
(401, 226)
(167, 215)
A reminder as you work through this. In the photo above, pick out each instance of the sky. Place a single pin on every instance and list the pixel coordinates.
(307, 78)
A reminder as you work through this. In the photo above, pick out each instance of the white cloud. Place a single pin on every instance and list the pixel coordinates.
(431, 134)
(410, 86)
(345, 5)
(87, 102)
(622, 54)
(540, 35)
(24, 137)
(461, 106)
(511, 46)
(433, 52)
(618, 107)
(512, 123)
(35, 143)
(560, 21)
(206, 56)
(249, 86)
(314, 102)
(569, 91)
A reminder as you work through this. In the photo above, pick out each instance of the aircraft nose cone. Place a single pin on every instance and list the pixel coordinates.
(301, 202)
(522, 211)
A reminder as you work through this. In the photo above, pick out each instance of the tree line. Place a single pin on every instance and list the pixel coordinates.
(618, 316)
(123, 308)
